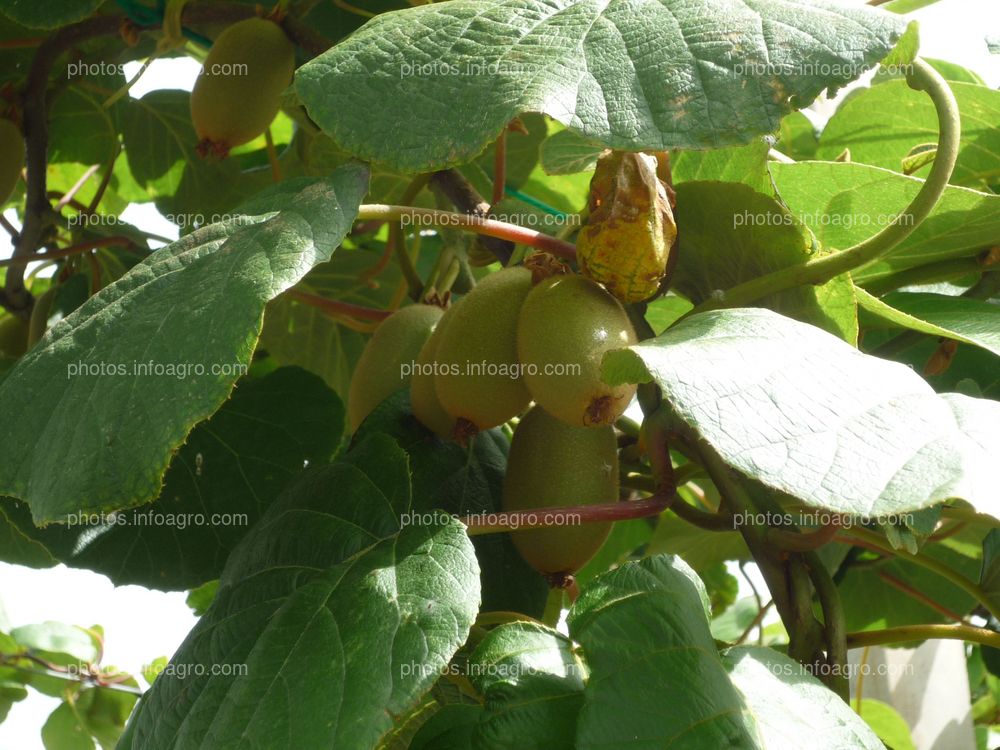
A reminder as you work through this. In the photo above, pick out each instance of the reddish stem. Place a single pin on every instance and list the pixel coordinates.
(336, 307)
(490, 227)
(539, 518)
(65, 252)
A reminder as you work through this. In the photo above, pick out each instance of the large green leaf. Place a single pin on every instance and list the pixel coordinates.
(333, 616)
(803, 412)
(81, 128)
(880, 126)
(746, 164)
(729, 233)
(298, 334)
(845, 203)
(568, 152)
(656, 679)
(48, 15)
(882, 596)
(791, 708)
(699, 548)
(161, 145)
(967, 320)
(465, 482)
(93, 432)
(228, 472)
(656, 75)
(532, 688)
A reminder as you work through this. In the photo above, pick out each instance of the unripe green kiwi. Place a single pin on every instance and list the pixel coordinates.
(566, 325)
(423, 395)
(553, 464)
(379, 373)
(39, 322)
(13, 336)
(11, 158)
(238, 92)
(478, 380)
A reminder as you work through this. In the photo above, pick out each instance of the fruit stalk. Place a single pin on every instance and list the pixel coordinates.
(514, 520)
(909, 633)
(490, 227)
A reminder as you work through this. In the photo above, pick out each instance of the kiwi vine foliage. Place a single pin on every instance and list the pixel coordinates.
(182, 418)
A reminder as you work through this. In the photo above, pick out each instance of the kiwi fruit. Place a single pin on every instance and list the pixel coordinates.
(238, 92)
(379, 373)
(479, 382)
(13, 336)
(566, 325)
(11, 158)
(554, 464)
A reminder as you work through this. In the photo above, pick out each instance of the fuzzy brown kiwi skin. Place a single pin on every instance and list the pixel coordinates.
(570, 321)
(228, 110)
(396, 342)
(553, 464)
(482, 330)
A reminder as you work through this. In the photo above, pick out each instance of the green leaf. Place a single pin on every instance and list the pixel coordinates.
(229, 471)
(57, 638)
(954, 72)
(104, 712)
(160, 141)
(656, 679)
(625, 538)
(568, 152)
(201, 598)
(745, 164)
(522, 151)
(19, 540)
(464, 482)
(890, 727)
(332, 617)
(971, 321)
(791, 708)
(81, 129)
(881, 124)
(804, 413)
(298, 334)
(451, 728)
(729, 233)
(48, 15)
(907, 6)
(532, 688)
(64, 730)
(797, 137)
(884, 597)
(735, 620)
(194, 309)
(989, 572)
(664, 311)
(11, 692)
(153, 669)
(699, 548)
(846, 203)
(711, 79)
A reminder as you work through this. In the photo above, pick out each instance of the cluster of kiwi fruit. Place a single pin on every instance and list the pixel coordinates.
(523, 343)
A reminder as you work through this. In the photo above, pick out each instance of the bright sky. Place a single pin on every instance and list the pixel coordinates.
(141, 625)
